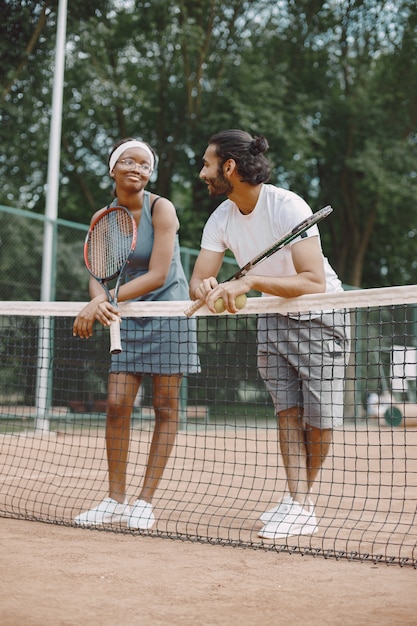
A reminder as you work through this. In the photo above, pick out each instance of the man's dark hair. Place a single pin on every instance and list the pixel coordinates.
(247, 151)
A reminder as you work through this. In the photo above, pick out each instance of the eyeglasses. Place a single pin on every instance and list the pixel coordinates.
(131, 165)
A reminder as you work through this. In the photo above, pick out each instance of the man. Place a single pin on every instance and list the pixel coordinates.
(301, 358)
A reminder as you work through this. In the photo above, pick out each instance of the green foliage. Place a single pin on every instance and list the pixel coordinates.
(21, 252)
(333, 86)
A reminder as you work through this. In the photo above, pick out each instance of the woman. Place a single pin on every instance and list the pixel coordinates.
(150, 345)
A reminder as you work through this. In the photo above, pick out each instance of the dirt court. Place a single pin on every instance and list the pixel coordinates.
(214, 487)
(59, 576)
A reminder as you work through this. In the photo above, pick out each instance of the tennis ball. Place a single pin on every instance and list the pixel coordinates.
(241, 301)
(219, 305)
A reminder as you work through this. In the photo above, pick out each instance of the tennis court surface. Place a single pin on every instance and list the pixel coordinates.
(224, 472)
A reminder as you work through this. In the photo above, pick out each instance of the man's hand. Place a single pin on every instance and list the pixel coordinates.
(228, 292)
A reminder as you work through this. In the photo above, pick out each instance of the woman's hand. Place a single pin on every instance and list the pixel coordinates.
(204, 288)
(100, 309)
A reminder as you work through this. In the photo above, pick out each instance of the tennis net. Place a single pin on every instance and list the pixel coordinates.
(226, 468)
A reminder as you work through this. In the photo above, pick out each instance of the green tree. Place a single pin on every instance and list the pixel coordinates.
(331, 84)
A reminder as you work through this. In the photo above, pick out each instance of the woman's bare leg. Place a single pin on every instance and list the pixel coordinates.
(122, 391)
(166, 392)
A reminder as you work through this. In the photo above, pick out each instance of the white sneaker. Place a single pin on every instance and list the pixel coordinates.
(268, 516)
(107, 512)
(290, 519)
(141, 516)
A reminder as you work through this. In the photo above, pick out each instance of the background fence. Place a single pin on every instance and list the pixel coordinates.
(21, 252)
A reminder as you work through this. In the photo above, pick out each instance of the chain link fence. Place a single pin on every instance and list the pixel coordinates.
(21, 255)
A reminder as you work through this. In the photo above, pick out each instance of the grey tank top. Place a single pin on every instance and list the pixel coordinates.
(176, 285)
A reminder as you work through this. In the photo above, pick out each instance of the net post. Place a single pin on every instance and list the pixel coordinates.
(44, 374)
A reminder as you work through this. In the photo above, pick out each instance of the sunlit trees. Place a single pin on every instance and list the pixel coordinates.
(332, 84)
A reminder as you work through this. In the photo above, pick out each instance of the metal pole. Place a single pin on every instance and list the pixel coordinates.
(44, 372)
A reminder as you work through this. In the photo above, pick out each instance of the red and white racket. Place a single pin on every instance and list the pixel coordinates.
(108, 247)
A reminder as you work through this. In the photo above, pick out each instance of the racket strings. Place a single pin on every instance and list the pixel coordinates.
(110, 243)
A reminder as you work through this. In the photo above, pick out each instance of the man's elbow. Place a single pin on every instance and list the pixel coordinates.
(314, 283)
(319, 285)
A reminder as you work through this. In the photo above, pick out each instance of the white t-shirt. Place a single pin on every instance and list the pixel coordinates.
(276, 213)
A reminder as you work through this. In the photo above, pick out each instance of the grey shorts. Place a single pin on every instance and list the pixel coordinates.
(303, 363)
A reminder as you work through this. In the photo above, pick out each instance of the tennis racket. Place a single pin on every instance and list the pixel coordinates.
(108, 248)
(285, 240)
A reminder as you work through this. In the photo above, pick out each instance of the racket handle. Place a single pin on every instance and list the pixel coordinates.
(115, 343)
(197, 304)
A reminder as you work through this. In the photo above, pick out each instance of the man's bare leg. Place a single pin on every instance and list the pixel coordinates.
(318, 443)
(303, 450)
(294, 452)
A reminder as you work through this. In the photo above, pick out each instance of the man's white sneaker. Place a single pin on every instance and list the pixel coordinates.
(268, 516)
(141, 516)
(107, 512)
(290, 519)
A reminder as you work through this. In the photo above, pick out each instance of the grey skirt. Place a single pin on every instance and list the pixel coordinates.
(157, 345)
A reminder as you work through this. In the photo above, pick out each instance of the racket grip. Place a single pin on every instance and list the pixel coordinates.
(197, 304)
(115, 342)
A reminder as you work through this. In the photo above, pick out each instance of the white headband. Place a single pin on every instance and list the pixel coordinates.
(126, 146)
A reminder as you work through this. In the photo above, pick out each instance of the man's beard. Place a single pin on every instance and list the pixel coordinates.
(219, 186)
